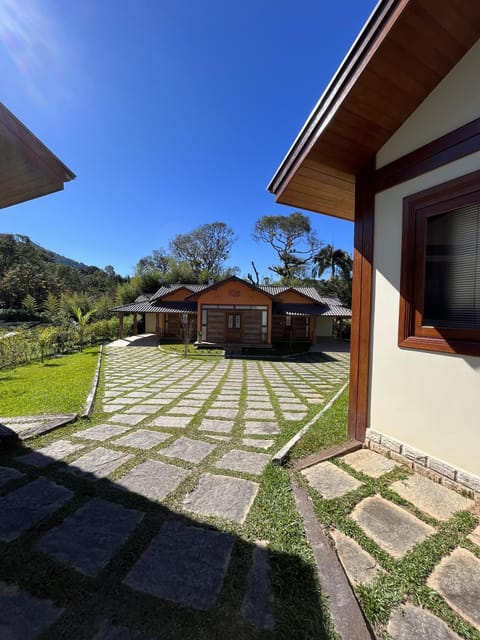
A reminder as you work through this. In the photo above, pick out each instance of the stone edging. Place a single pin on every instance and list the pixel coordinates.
(88, 407)
(280, 456)
(346, 613)
(424, 464)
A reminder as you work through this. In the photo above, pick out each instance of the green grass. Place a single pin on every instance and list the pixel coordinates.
(59, 385)
(178, 348)
(328, 431)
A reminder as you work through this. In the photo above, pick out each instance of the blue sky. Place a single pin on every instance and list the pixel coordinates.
(172, 115)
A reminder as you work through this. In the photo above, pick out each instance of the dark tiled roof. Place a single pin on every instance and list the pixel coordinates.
(333, 309)
(169, 288)
(163, 307)
(276, 290)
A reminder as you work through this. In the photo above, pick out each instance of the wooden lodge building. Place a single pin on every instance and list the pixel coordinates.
(236, 312)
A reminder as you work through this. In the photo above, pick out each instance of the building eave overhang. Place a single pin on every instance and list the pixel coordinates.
(28, 169)
(404, 50)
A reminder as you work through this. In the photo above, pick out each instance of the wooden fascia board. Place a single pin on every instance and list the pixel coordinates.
(365, 46)
(29, 146)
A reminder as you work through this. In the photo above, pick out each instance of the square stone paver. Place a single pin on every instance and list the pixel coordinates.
(246, 461)
(218, 426)
(51, 453)
(183, 564)
(153, 479)
(131, 419)
(431, 497)
(368, 462)
(259, 414)
(393, 528)
(112, 408)
(475, 536)
(188, 449)
(358, 564)
(101, 432)
(142, 408)
(183, 411)
(258, 442)
(97, 463)
(330, 481)
(89, 538)
(7, 474)
(222, 413)
(23, 616)
(24, 508)
(457, 579)
(413, 623)
(294, 416)
(177, 422)
(143, 439)
(222, 496)
(261, 428)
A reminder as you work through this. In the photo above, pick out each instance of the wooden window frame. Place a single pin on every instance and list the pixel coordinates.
(417, 209)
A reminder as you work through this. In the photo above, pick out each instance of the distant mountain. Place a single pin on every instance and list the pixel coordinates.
(68, 262)
(28, 269)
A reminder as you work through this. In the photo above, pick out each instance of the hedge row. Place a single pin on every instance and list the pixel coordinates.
(24, 345)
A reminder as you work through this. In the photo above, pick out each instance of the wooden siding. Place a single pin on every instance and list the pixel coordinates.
(215, 325)
(296, 332)
(290, 296)
(251, 326)
(172, 326)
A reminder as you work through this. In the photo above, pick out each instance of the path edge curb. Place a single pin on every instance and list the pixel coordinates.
(88, 407)
(280, 456)
(347, 616)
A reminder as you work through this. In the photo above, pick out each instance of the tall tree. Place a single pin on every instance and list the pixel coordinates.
(336, 261)
(293, 240)
(205, 249)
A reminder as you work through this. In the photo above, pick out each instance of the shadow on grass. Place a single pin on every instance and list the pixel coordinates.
(190, 584)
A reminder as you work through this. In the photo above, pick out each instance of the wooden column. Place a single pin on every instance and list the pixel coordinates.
(120, 326)
(135, 325)
(361, 304)
(157, 324)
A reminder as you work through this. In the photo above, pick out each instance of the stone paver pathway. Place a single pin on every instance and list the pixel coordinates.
(175, 451)
(400, 529)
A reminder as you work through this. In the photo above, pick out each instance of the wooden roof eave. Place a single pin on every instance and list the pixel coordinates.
(28, 169)
(356, 114)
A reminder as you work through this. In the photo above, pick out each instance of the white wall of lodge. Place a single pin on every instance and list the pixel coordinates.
(429, 401)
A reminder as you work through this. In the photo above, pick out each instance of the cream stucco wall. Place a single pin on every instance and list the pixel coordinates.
(453, 103)
(429, 401)
(323, 327)
(150, 322)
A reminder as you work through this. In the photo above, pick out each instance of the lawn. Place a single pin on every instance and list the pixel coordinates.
(59, 385)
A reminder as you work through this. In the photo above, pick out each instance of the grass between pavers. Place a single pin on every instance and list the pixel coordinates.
(404, 579)
(58, 385)
(299, 609)
(178, 348)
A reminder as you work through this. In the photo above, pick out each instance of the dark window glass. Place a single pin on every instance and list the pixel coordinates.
(452, 269)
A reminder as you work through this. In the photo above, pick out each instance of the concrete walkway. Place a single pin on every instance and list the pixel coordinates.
(183, 445)
(397, 527)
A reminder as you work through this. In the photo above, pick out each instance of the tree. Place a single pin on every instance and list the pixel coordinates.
(333, 260)
(82, 321)
(294, 241)
(205, 249)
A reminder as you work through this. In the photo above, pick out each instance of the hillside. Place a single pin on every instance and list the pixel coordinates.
(27, 268)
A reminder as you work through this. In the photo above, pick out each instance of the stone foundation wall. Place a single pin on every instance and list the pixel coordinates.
(422, 463)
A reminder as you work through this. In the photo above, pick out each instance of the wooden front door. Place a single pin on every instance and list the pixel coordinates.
(233, 328)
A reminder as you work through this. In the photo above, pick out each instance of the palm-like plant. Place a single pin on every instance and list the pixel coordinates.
(333, 260)
(82, 321)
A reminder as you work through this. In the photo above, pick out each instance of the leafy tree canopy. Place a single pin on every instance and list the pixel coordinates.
(293, 240)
